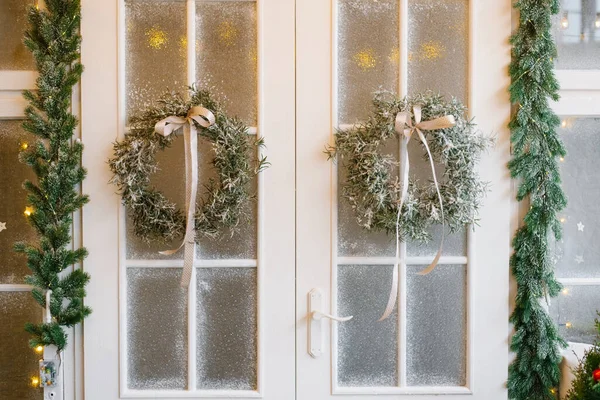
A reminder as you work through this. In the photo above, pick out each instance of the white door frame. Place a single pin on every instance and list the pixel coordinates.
(102, 120)
(488, 274)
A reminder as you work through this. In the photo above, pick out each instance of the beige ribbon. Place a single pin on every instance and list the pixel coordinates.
(405, 128)
(165, 127)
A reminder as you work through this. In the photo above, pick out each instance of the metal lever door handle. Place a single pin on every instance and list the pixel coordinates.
(318, 315)
(316, 328)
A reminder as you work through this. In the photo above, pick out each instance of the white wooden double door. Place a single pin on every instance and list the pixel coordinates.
(295, 71)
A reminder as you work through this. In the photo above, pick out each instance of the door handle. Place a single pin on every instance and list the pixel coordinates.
(315, 322)
(318, 315)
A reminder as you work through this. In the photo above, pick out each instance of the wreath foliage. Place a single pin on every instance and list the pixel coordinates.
(374, 194)
(156, 218)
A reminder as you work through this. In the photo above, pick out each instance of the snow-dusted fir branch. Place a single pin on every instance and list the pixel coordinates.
(53, 38)
(227, 198)
(535, 372)
(371, 188)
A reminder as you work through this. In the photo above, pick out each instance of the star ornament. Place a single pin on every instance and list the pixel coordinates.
(2, 226)
(580, 226)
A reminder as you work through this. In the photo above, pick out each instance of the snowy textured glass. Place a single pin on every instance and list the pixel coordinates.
(577, 34)
(224, 311)
(13, 23)
(369, 58)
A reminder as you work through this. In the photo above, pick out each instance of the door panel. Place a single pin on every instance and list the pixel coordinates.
(210, 340)
(446, 324)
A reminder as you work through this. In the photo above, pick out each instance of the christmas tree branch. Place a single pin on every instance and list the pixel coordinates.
(534, 373)
(54, 40)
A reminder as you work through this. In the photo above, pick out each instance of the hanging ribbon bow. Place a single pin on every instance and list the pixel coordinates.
(165, 127)
(405, 128)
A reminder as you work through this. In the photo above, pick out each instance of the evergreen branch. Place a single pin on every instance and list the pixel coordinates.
(54, 40)
(534, 373)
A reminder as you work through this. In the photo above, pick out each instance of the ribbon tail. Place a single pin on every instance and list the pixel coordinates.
(395, 284)
(393, 294)
(172, 251)
(191, 144)
(404, 193)
(437, 188)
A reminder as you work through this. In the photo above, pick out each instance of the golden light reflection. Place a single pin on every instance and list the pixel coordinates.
(228, 33)
(24, 145)
(39, 349)
(35, 381)
(365, 59)
(564, 21)
(28, 211)
(157, 38)
(431, 50)
(394, 56)
(568, 325)
(253, 55)
(183, 42)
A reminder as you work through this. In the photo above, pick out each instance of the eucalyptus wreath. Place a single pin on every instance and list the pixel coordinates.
(227, 198)
(374, 194)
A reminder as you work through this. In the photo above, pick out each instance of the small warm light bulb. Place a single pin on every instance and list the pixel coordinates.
(564, 22)
(568, 325)
(565, 291)
(553, 391)
(24, 145)
(597, 22)
(28, 211)
(563, 123)
(35, 381)
(562, 159)
(563, 220)
(39, 349)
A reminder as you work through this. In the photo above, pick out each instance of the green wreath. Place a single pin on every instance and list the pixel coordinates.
(374, 195)
(154, 217)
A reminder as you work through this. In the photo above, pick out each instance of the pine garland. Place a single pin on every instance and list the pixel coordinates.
(53, 38)
(534, 373)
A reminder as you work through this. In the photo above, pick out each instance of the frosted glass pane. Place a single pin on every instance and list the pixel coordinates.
(368, 54)
(13, 267)
(18, 363)
(438, 46)
(156, 50)
(577, 34)
(353, 239)
(227, 328)
(574, 310)
(226, 53)
(156, 329)
(455, 244)
(367, 349)
(13, 23)
(170, 179)
(436, 326)
(578, 254)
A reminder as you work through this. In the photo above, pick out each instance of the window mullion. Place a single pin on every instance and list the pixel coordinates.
(191, 78)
